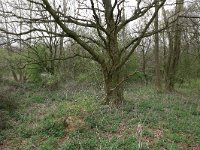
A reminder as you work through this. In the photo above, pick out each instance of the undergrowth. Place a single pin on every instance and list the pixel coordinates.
(147, 120)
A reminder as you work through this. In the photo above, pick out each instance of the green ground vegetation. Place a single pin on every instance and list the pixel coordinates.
(65, 119)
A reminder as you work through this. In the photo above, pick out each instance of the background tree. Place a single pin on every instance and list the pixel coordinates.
(174, 37)
(156, 52)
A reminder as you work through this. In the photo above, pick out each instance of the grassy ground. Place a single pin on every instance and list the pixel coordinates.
(75, 119)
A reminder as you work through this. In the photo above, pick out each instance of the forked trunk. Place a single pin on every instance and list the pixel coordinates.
(113, 88)
(169, 83)
(174, 47)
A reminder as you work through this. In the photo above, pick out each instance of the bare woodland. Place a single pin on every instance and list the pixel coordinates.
(113, 49)
(104, 31)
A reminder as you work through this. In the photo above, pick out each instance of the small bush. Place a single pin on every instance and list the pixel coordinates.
(195, 84)
(7, 103)
(4, 120)
(50, 81)
(7, 106)
(34, 71)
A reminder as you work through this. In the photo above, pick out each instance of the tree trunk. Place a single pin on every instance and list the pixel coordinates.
(113, 88)
(144, 66)
(169, 83)
(156, 53)
(174, 47)
(14, 75)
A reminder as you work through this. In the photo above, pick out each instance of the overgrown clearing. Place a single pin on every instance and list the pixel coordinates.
(71, 120)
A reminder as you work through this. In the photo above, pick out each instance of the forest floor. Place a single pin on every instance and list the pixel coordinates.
(70, 119)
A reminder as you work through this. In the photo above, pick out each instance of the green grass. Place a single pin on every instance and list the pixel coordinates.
(147, 120)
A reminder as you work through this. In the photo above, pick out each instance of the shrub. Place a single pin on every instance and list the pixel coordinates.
(7, 102)
(195, 84)
(7, 105)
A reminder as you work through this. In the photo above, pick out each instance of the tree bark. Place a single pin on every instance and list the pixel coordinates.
(62, 38)
(113, 88)
(144, 66)
(156, 53)
(174, 47)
